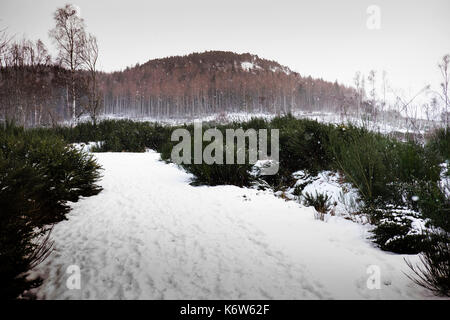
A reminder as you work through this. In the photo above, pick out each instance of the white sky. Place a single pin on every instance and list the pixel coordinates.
(327, 39)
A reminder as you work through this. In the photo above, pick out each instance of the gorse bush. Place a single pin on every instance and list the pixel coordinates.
(394, 232)
(303, 144)
(433, 271)
(214, 173)
(360, 155)
(39, 174)
(220, 174)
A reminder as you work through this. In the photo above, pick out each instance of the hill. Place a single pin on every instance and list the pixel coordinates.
(217, 82)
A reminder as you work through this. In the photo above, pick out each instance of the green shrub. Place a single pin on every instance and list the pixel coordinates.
(433, 272)
(220, 174)
(303, 145)
(39, 173)
(394, 233)
(360, 155)
(320, 202)
(216, 174)
(426, 198)
(439, 143)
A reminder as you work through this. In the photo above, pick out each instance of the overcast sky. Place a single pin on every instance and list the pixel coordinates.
(328, 39)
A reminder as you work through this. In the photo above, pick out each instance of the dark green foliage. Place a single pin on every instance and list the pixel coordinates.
(39, 173)
(18, 183)
(380, 166)
(220, 174)
(303, 144)
(116, 135)
(427, 198)
(320, 202)
(440, 143)
(214, 174)
(360, 155)
(390, 173)
(433, 272)
(393, 232)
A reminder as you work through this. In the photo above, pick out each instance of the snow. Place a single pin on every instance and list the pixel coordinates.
(286, 70)
(247, 66)
(87, 146)
(444, 181)
(151, 235)
(344, 199)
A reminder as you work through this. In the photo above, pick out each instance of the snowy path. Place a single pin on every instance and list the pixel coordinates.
(149, 235)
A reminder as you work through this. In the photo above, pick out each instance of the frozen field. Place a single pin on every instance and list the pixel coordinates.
(150, 235)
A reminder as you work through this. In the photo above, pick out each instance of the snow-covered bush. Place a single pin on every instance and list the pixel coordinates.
(344, 199)
(399, 230)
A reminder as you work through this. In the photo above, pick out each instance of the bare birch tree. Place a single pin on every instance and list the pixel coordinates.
(68, 36)
(89, 58)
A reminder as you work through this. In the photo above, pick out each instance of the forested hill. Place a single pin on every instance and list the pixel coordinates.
(36, 92)
(217, 82)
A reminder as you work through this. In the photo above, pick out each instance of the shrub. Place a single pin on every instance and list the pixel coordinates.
(18, 253)
(220, 174)
(320, 202)
(303, 145)
(359, 154)
(395, 234)
(38, 175)
(439, 143)
(433, 272)
(427, 198)
(123, 135)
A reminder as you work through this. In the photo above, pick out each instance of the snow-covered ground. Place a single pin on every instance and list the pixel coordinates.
(150, 235)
